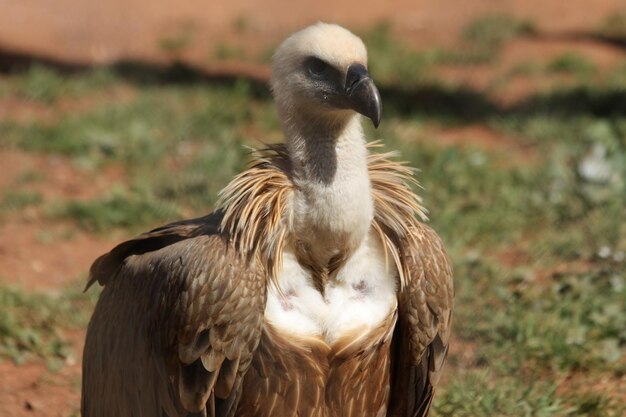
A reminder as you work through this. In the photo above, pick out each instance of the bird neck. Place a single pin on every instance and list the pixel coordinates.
(333, 204)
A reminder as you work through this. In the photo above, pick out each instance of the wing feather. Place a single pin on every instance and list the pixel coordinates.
(420, 344)
(178, 321)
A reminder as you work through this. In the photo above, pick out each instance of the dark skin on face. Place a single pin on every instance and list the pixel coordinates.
(356, 90)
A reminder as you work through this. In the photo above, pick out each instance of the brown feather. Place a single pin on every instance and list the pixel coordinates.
(178, 307)
(421, 338)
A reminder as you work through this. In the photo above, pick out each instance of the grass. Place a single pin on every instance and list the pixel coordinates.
(119, 209)
(46, 85)
(226, 51)
(15, 200)
(395, 63)
(31, 323)
(475, 395)
(613, 27)
(392, 61)
(494, 30)
(138, 133)
(563, 322)
(539, 246)
(175, 43)
(485, 35)
(244, 23)
(572, 63)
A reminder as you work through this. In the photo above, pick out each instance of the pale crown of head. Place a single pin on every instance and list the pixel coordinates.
(331, 43)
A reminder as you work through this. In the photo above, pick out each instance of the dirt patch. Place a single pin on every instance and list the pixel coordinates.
(54, 177)
(36, 253)
(612, 386)
(33, 390)
(541, 50)
(461, 356)
(513, 256)
(522, 68)
(39, 256)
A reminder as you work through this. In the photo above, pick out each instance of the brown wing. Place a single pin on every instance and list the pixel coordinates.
(175, 327)
(420, 344)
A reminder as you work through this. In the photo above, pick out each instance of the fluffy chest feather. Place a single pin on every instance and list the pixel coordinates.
(360, 297)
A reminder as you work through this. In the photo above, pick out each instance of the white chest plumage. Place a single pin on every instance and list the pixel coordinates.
(359, 298)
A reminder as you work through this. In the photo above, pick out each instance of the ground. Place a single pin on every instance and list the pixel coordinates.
(513, 111)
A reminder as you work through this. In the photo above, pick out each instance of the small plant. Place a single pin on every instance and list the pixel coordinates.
(41, 83)
(16, 200)
(178, 41)
(572, 63)
(243, 23)
(613, 27)
(494, 30)
(393, 62)
(229, 51)
(174, 44)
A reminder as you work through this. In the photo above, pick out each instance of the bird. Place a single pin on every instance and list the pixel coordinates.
(315, 288)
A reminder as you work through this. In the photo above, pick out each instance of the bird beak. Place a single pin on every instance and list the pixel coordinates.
(362, 93)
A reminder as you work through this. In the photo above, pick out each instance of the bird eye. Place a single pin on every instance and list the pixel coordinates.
(316, 67)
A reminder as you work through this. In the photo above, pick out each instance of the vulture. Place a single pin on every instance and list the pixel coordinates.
(313, 290)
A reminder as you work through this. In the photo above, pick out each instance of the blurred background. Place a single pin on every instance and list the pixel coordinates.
(119, 116)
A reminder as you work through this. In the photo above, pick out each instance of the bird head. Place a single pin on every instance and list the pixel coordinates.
(321, 72)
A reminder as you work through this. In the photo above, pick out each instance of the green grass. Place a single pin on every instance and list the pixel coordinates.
(192, 127)
(480, 393)
(392, 61)
(226, 51)
(119, 209)
(476, 395)
(572, 63)
(494, 30)
(141, 132)
(243, 23)
(31, 323)
(617, 76)
(485, 35)
(45, 85)
(158, 197)
(613, 27)
(178, 41)
(395, 63)
(15, 200)
(562, 322)
(201, 177)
